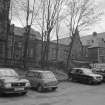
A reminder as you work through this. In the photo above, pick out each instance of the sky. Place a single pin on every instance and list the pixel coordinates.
(99, 27)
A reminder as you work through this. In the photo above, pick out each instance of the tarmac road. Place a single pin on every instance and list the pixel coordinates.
(68, 93)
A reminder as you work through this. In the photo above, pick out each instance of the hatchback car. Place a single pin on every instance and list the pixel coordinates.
(10, 82)
(85, 75)
(42, 80)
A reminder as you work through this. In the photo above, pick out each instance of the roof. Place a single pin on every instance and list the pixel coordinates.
(84, 39)
(6, 69)
(95, 45)
(39, 71)
(20, 31)
(80, 61)
(64, 41)
(82, 68)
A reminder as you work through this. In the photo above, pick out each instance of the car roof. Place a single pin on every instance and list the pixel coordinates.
(6, 69)
(40, 71)
(82, 68)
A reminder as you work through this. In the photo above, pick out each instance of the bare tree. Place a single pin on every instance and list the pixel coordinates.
(49, 19)
(81, 15)
(26, 11)
(57, 37)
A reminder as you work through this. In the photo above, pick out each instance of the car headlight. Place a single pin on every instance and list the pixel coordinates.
(7, 85)
(27, 84)
(98, 78)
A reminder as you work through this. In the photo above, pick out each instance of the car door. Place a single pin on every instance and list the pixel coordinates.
(36, 79)
(74, 74)
(81, 76)
(30, 77)
(78, 75)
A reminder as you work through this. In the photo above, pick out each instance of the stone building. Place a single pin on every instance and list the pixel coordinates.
(89, 48)
(16, 48)
(94, 47)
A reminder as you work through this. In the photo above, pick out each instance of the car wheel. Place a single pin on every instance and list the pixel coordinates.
(1, 93)
(71, 78)
(40, 88)
(23, 93)
(53, 89)
(90, 81)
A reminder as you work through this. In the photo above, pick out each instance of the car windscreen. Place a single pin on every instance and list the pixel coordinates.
(48, 75)
(8, 73)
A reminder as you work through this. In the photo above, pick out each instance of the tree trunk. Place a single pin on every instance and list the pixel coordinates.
(4, 24)
(69, 59)
(26, 39)
(42, 51)
(57, 48)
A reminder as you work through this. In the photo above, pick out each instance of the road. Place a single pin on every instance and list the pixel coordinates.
(68, 93)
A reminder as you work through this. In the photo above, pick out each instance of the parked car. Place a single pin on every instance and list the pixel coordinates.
(100, 72)
(42, 80)
(85, 75)
(10, 82)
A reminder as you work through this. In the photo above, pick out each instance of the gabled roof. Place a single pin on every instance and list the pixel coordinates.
(64, 41)
(96, 45)
(84, 39)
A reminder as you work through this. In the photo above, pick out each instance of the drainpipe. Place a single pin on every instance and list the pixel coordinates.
(98, 55)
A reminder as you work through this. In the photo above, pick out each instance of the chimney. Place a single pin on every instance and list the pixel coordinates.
(94, 34)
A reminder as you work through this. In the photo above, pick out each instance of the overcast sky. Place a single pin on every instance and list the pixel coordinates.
(100, 27)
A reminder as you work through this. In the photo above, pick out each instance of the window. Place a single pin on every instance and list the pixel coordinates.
(30, 74)
(30, 52)
(65, 54)
(36, 75)
(10, 41)
(73, 71)
(92, 41)
(88, 42)
(78, 71)
(9, 53)
(53, 53)
(2, 49)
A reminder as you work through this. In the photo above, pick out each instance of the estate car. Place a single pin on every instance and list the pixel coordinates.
(42, 80)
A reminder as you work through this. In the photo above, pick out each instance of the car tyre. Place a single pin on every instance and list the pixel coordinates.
(23, 93)
(54, 89)
(90, 82)
(71, 78)
(1, 94)
(40, 88)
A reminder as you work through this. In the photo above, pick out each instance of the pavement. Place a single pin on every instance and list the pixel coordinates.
(68, 93)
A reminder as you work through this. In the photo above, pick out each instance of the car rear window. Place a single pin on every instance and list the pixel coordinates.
(48, 75)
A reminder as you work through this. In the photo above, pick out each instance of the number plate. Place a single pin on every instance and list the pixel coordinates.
(19, 89)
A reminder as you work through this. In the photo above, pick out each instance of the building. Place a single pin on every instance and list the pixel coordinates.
(88, 48)
(16, 48)
(93, 47)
